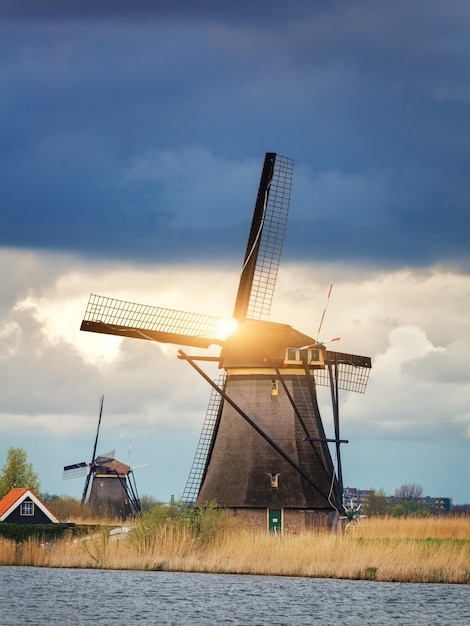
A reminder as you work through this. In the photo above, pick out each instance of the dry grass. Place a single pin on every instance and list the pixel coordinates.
(389, 549)
(444, 527)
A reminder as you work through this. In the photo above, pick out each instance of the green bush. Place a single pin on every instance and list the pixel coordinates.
(22, 532)
(203, 522)
(206, 520)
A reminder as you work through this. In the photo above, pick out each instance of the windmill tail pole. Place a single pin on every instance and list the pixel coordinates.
(301, 421)
(273, 444)
(334, 389)
(324, 312)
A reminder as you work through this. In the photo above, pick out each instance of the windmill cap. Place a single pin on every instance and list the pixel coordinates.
(258, 343)
(111, 466)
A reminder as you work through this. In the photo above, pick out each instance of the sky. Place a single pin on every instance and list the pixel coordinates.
(132, 140)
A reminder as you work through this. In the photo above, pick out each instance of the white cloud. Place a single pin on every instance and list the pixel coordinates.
(9, 339)
(366, 305)
(407, 344)
(403, 398)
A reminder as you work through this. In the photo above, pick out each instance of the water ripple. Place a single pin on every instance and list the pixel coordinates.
(71, 597)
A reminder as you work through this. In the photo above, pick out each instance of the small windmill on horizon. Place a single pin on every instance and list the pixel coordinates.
(113, 486)
(263, 450)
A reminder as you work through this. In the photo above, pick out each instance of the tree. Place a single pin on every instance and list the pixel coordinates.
(377, 502)
(409, 491)
(17, 472)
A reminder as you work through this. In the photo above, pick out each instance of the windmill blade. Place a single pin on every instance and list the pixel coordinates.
(87, 479)
(76, 470)
(83, 464)
(266, 238)
(352, 371)
(344, 358)
(141, 465)
(85, 489)
(198, 466)
(105, 458)
(98, 429)
(141, 321)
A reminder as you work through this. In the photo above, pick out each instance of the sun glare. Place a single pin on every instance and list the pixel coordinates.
(226, 328)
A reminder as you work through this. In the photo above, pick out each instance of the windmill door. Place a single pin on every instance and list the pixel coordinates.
(274, 520)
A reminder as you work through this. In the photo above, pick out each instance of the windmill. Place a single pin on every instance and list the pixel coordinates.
(352, 515)
(264, 452)
(112, 482)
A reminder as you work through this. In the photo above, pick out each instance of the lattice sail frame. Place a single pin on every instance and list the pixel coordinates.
(272, 239)
(198, 466)
(120, 317)
(77, 470)
(352, 371)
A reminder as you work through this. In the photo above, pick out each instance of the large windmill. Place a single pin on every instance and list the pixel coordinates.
(113, 487)
(265, 453)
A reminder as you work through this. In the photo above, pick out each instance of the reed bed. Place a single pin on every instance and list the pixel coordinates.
(385, 549)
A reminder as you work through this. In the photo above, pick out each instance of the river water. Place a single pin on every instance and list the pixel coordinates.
(71, 597)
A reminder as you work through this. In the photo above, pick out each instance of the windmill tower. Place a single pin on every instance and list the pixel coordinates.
(265, 454)
(113, 487)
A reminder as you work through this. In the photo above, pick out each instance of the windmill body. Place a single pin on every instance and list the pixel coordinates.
(246, 470)
(110, 491)
(111, 486)
(267, 456)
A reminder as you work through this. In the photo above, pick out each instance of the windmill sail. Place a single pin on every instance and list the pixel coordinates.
(266, 238)
(352, 371)
(257, 281)
(198, 466)
(141, 321)
(88, 478)
(76, 470)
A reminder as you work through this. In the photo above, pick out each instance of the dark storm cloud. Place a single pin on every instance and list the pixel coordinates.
(50, 9)
(371, 99)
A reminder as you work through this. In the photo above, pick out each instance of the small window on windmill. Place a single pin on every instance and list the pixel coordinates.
(274, 480)
(315, 357)
(274, 387)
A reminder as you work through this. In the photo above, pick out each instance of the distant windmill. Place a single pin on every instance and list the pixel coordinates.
(263, 451)
(113, 484)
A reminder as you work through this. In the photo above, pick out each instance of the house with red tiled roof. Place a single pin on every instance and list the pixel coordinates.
(21, 506)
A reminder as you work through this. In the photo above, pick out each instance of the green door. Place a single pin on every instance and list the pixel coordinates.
(274, 520)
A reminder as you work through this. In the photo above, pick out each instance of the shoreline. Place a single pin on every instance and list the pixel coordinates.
(235, 573)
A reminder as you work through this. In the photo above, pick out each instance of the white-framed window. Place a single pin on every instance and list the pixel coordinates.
(274, 480)
(27, 508)
(314, 356)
